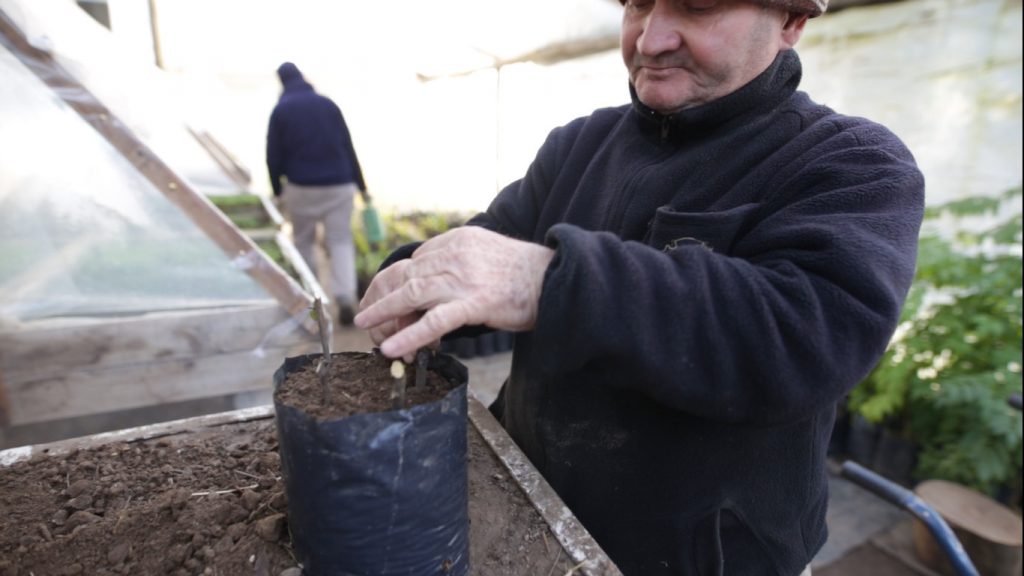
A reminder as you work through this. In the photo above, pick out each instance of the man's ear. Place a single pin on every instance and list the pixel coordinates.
(792, 29)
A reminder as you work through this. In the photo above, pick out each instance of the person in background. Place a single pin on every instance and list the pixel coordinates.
(696, 280)
(314, 168)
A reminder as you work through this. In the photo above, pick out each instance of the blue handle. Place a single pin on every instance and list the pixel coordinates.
(900, 496)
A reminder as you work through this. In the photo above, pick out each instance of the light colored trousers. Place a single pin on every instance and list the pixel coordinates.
(332, 205)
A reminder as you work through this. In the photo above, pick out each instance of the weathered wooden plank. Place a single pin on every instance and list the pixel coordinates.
(309, 280)
(227, 161)
(81, 392)
(46, 350)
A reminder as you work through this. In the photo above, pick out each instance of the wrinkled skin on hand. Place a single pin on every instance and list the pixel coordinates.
(466, 276)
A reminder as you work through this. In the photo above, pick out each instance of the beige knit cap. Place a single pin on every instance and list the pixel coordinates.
(810, 7)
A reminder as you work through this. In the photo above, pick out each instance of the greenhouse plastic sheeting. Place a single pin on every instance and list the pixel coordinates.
(504, 32)
(135, 90)
(82, 232)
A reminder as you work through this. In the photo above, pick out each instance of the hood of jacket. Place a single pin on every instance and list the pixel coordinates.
(292, 79)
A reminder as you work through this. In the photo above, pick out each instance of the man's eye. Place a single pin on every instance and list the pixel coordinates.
(700, 5)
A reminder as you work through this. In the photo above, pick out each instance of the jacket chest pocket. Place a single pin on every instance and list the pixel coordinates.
(717, 231)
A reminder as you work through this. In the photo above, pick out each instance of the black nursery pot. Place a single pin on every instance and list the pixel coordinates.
(379, 493)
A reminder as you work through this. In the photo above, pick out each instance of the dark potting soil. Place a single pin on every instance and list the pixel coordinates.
(358, 382)
(211, 500)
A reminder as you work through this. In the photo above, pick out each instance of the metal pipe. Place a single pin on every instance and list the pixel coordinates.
(900, 496)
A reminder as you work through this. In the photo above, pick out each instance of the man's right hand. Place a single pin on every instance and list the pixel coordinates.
(464, 277)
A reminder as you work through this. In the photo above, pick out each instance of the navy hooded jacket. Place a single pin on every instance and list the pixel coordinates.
(722, 278)
(307, 140)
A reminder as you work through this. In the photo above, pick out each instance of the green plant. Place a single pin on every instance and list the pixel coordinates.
(244, 210)
(956, 356)
(401, 229)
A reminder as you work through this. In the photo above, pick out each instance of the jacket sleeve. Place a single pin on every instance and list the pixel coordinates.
(792, 315)
(357, 170)
(275, 152)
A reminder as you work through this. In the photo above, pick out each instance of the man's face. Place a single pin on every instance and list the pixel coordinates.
(682, 53)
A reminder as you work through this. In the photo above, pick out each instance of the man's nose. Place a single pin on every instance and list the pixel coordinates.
(662, 32)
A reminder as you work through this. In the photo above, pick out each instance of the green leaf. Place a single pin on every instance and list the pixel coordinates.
(946, 375)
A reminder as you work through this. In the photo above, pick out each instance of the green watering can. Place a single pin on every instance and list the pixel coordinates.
(372, 225)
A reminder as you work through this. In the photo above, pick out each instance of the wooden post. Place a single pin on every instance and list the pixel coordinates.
(990, 532)
(154, 28)
(238, 174)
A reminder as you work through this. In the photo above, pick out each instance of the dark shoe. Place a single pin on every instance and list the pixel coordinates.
(346, 314)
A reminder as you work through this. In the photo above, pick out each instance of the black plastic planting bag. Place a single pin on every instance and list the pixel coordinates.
(380, 493)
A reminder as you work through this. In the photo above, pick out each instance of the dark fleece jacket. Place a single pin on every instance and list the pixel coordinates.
(308, 140)
(722, 277)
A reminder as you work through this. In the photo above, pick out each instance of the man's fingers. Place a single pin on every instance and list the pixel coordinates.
(414, 295)
(384, 282)
(383, 331)
(426, 331)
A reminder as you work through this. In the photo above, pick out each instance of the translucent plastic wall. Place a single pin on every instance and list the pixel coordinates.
(82, 232)
(129, 84)
(944, 75)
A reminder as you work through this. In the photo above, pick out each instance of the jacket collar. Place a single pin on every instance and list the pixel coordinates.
(768, 90)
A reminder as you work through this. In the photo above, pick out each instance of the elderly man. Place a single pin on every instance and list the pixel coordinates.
(697, 279)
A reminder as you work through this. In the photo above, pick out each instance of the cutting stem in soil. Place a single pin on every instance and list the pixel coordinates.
(422, 360)
(324, 367)
(398, 391)
(399, 374)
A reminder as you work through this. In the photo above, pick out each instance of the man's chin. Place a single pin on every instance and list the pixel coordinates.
(662, 103)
